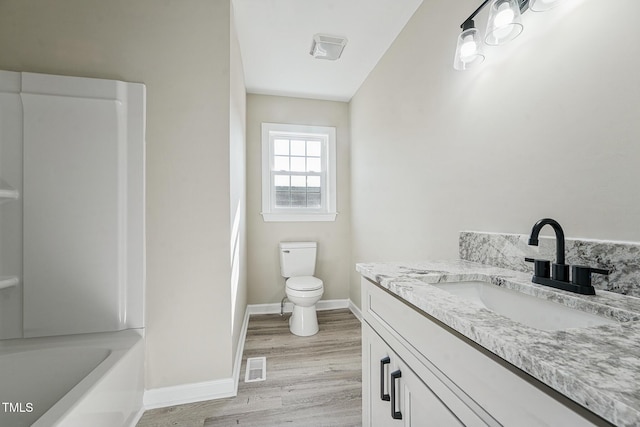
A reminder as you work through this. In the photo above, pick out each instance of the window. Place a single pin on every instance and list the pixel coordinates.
(298, 173)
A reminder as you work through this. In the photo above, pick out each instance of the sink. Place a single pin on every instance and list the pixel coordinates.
(526, 309)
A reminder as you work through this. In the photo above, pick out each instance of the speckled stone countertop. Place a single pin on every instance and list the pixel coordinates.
(597, 367)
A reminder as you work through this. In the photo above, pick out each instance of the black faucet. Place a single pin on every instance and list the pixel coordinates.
(560, 270)
(581, 275)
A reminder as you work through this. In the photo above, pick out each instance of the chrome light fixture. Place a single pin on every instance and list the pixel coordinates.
(504, 24)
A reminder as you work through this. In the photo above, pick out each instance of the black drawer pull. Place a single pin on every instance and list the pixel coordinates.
(384, 361)
(396, 415)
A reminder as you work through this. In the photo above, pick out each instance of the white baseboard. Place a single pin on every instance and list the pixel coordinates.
(274, 308)
(188, 393)
(136, 417)
(197, 392)
(355, 310)
(237, 364)
(228, 387)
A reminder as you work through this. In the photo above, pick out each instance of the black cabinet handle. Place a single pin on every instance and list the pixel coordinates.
(396, 415)
(384, 361)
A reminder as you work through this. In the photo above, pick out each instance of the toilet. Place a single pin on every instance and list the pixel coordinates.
(297, 265)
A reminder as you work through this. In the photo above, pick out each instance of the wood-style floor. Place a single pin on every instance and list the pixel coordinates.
(311, 381)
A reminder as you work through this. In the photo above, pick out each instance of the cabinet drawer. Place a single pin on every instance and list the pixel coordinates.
(494, 389)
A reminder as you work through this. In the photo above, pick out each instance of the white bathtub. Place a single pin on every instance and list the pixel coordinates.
(77, 380)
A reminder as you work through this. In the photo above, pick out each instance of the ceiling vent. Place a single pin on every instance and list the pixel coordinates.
(327, 47)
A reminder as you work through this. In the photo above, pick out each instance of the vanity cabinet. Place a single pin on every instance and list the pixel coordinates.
(445, 378)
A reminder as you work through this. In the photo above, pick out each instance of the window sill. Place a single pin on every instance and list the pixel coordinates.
(298, 217)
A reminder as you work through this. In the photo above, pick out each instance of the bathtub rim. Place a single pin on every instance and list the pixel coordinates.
(119, 344)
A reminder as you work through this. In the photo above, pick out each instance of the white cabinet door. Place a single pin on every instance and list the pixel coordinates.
(395, 395)
(377, 366)
(418, 405)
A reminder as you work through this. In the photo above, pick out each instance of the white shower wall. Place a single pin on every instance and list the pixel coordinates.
(10, 208)
(74, 149)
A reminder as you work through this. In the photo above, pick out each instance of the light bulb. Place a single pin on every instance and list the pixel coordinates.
(468, 49)
(505, 22)
(504, 17)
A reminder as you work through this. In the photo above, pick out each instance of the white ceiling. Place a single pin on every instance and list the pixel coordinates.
(275, 37)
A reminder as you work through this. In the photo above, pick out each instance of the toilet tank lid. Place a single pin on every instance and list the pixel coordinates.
(297, 245)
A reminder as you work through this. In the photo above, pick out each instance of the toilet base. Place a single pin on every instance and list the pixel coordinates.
(303, 321)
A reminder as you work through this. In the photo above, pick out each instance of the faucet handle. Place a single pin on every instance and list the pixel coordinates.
(581, 274)
(600, 271)
(541, 267)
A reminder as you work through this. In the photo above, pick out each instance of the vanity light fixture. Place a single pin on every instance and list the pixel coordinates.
(469, 51)
(504, 24)
(328, 47)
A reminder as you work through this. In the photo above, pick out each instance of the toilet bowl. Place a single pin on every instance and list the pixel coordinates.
(304, 292)
(297, 265)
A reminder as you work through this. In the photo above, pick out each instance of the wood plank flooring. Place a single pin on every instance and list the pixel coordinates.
(311, 381)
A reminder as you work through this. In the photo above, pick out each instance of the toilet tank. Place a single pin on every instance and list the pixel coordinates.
(297, 258)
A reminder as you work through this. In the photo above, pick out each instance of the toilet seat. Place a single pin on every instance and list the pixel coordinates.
(304, 283)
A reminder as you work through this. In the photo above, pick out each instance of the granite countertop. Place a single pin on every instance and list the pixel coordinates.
(597, 367)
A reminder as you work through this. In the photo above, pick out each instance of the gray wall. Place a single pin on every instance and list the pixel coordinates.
(183, 52)
(547, 126)
(265, 285)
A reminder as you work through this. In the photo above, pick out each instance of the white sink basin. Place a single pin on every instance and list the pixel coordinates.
(526, 309)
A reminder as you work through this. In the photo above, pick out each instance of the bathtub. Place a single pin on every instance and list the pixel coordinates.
(77, 380)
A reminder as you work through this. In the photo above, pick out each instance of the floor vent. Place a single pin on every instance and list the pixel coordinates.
(256, 369)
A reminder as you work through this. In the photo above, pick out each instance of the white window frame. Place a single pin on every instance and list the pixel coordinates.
(327, 212)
